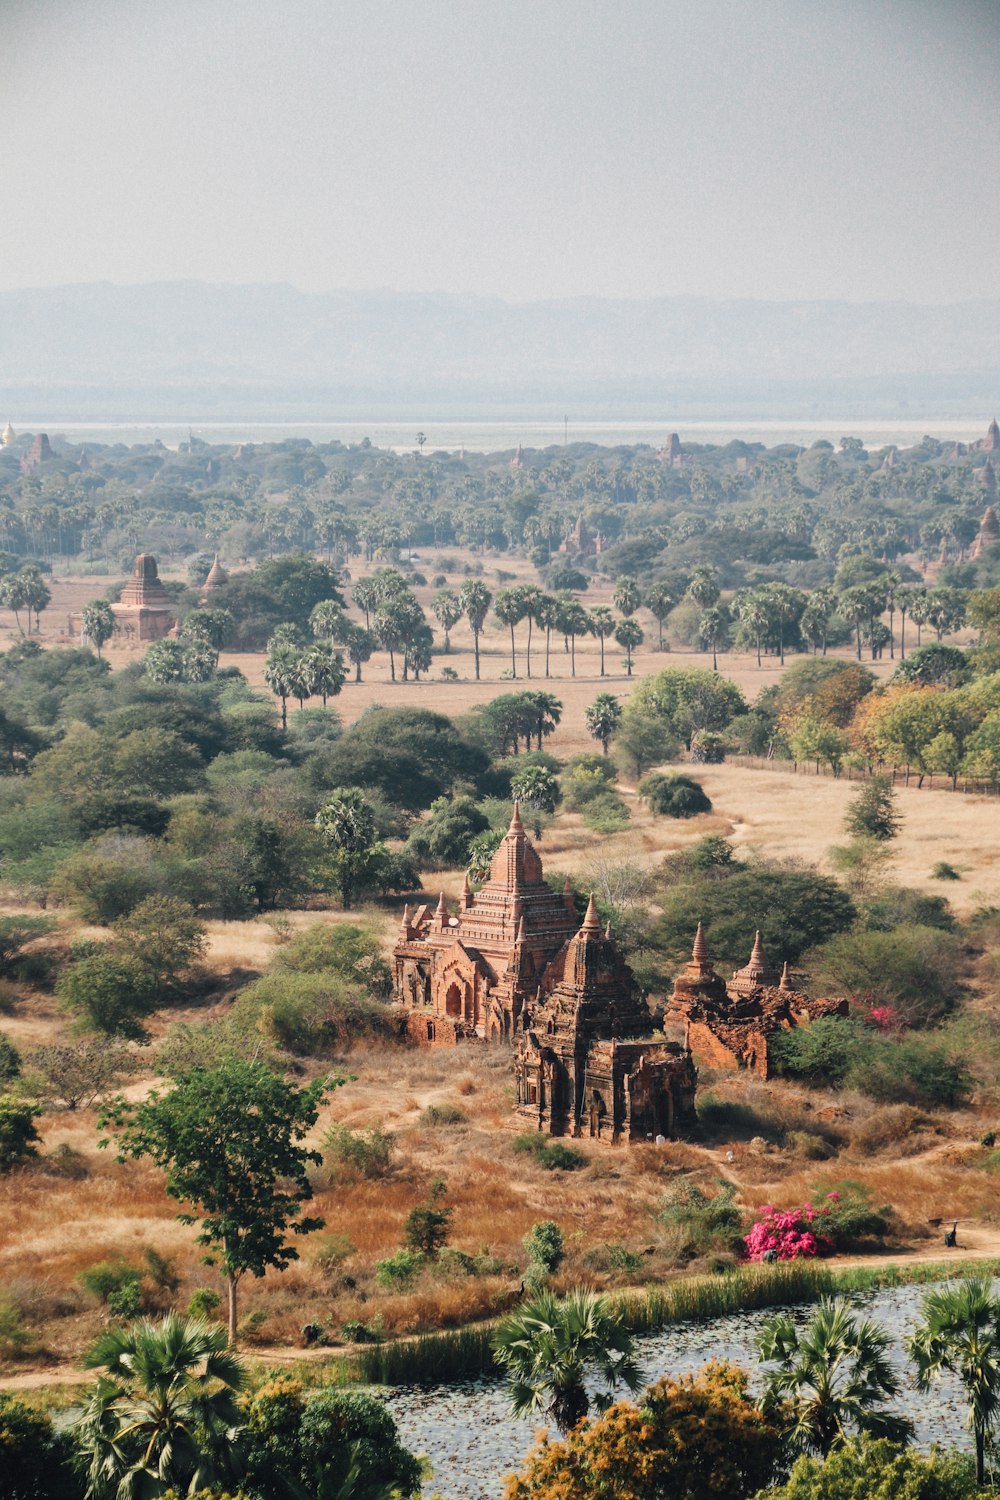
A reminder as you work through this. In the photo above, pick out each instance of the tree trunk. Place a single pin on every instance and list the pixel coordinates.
(573, 658)
(548, 638)
(284, 712)
(528, 655)
(601, 638)
(980, 1457)
(513, 658)
(475, 647)
(231, 1281)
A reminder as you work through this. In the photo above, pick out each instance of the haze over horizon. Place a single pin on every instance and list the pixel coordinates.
(635, 150)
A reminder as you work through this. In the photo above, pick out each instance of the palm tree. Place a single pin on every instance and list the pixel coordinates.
(602, 624)
(279, 675)
(713, 628)
(830, 1379)
(755, 617)
(359, 644)
(448, 609)
(533, 600)
(475, 599)
(163, 1413)
(960, 1332)
(366, 596)
(629, 634)
(546, 615)
(546, 710)
(510, 609)
(626, 596)
(603, 718)
(704, 587)
(324, 670)
(548, 1347)
(98, 623)
(572, 621)
(660, 600)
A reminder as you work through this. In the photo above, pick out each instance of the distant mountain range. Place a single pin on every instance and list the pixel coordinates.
(180, 349)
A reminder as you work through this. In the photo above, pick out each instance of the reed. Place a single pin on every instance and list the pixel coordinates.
(462, 1354)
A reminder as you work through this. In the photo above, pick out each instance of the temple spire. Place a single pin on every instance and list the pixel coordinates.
(516, 826)
(785, 982)
(591, 922)
(700, 950)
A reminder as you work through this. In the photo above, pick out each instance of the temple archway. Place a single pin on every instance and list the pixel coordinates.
(453, 1000)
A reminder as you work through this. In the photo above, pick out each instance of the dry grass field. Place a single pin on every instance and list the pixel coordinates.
(77, 1206)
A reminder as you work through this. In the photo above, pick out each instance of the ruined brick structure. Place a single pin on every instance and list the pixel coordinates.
(515, 964)
(991, 442)
(989, 529)
(469, 974)
(731, 1025)
(581, 541)
(144, 612)
(586, 1062)
(217, 576)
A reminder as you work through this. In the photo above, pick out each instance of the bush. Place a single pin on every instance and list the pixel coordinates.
(310, 1014)
(881, 1470)
(15, 935)
(426, 1229)
(108, 1278)
(203, 1302)
(851, 1219)
(442, 1114)
(36, 1462)
(872, 813)
(358, 1153)
(395, 1273)
(18, 1136)
(544, 1246)
(109, 992)
(697, 1223)
(919, 971)
(944, 871)
(10, 1060)
(552, 1155)
(708, 749)
(674, 796)
(78, 1073)
(606, 814)
(126, 1302)
(342, 948)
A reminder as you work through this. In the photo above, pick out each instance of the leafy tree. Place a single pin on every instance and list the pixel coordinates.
(36, 1461)
(475, 599)
(960, 1332)
(603, 718)
(548, 1346)
(444, 839)
(867, 1469)
(545, 1249)
(687, 1439)
(164, 1412)
(873, 813)
(704, 587)
(685, 700)
(629, 633)
(18, 1136)
(325, 1442)
(829, 1380)
(674, 796)
(169, 661)
(165, 935)
(228, 1140)
(215, 626)
(427, 1224)
(98, 623)
(920, 971)
(643, 740)
(78, 1073)
(347, 824)
(934, 666)
(111, 992)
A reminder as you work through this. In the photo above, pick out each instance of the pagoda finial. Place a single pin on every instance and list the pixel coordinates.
(757, 956)
(591, 922)
(700, 950)
(405, 924)
(521, 935)
(785, 982)
(442, 909)
(516, 826)
(607, 932)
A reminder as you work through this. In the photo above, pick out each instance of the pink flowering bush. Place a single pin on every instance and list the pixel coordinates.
(792, 1233)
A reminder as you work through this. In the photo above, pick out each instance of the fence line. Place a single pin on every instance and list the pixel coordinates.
(930, 782)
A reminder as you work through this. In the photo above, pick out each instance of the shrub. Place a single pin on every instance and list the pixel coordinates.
(944, 871)
(395, 1273)
(442, 1114)
(708, 749)
(10, 1060)
(606, 814)
(822, 1053)
(621, 1258)
(15, 1340)
(881, 1470)
(786, 1234)
(109, 992)
(674, 796)
(126, 1302)
(36, 1462)
(203, 1302)
(687, 1439)
(427, 1224)
(15, 935)
(329, 1251)
(343, 948)
(918, 970)
(911, 1071)
(544, 1246)
(552, 1155)
(872, 813)
(697, 1223)
(851, 1219)
(358, 1153)
(356, 1332)
(18, 1136)
(108, 1277)
(310, 1014)
(78, 1073)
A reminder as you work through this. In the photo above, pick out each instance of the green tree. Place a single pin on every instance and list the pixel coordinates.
(629, 633)
(98, 623)
(627, 597)
(713, 631)
(829, 1380)
(873, 813)
(545, 1249)
(280, 670)
(359, 645)
(215, 626)
(960, 1332)
(229, 1140)
(602, 625)
(447, 608)
(475, 599)
(536, 788)
(704, 588)
(510, 608)
(603, 718)
(427, 1224)
(660, 600)
(347, 824)
(163, 1413)
(875, 1469)
(549, 1346)
(36, 1462)
(18, 1136)
(165, 935)
(109, 991)
(324, 671)
(572, 621)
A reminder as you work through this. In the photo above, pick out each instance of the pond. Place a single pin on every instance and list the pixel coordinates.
(472, 1443)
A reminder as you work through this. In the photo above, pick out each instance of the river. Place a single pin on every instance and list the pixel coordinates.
(472, 1442)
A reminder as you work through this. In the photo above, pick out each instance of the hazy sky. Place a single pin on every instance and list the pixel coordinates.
(527, 148)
